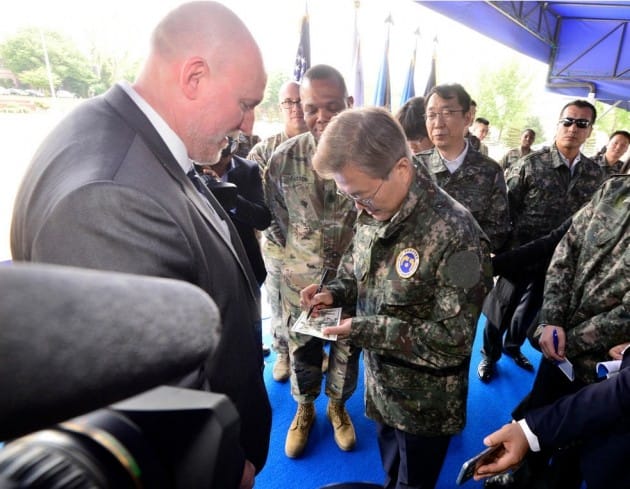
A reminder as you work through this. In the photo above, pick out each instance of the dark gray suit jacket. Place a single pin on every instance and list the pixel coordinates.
(104, 191)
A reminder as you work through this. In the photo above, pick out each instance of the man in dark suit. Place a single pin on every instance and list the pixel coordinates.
(108, 190)
(598, 415)
(244, 202)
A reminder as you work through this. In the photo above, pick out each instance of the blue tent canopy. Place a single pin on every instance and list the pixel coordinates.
(585, 44)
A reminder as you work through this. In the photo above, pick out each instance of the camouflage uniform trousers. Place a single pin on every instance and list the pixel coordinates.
(273, 264)
(306, 355)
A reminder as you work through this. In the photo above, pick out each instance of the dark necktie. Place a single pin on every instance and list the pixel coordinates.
(201, 187)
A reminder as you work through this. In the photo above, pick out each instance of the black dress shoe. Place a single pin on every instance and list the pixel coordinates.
(485, 369)
(520, 360)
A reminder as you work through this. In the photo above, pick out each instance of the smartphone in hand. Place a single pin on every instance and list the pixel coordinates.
(468, 467)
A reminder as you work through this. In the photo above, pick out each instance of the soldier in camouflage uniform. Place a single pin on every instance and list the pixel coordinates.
(544, 189)
(480, 128)
(316, 225)
(528, 136)
(587, 286)
(586, 302)
(293, 116)
(609, 158)
(474, 180)
(417, 271)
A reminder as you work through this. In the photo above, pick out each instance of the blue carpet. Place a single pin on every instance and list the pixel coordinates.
(489, 407)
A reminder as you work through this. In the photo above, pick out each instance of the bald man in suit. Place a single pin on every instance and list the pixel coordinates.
(108, 189)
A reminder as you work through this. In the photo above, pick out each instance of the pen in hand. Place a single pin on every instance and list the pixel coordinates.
(322, 280)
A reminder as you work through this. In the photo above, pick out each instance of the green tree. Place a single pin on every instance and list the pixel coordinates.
(534, 122)
(503, 97)
(611, 119)
(110, 65)
(23, 54)
(38, 78)
(269, 109)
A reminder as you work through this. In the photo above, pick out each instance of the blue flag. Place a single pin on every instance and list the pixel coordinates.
(410, 89)
(303, 56)
(383, 96)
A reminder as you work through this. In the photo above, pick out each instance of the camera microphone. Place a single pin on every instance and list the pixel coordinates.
(74, 340)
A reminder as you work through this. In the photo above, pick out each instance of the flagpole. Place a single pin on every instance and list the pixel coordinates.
(409, 91)
(432, 80)
(357, 66)
(382, 96)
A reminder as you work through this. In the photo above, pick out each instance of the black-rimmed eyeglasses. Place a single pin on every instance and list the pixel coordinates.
(289, 103)
(569, 121)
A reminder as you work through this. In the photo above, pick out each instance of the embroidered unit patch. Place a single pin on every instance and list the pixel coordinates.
(407, 262)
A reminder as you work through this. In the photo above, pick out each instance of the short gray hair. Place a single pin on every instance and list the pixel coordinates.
(369, 138)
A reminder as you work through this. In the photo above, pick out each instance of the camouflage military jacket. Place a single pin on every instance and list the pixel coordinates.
(479, 185)
(543, 193)
(509, 158)
(608, 170)
(418, 283)
(310, 217)
(261, 154)
(587, 287)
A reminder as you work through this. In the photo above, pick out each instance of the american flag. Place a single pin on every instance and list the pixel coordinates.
(303, 56)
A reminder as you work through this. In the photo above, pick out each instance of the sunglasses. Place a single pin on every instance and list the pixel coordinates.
(569, 121)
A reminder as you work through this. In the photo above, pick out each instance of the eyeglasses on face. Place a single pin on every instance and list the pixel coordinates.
(368, 203)
(289, 103)
(569, 121)
(446, 114)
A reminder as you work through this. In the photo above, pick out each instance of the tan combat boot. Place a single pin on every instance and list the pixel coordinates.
(299, 430)
(342, 425)
(281, 368)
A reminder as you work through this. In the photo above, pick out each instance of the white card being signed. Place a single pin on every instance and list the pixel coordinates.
(313, 326)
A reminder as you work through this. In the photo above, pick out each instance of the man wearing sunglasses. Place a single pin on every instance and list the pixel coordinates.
(544, 189)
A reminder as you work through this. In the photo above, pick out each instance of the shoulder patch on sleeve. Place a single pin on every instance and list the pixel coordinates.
(463, 269)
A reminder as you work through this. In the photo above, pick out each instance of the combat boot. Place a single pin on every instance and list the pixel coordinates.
(281, 368)
(299, 430)
(342, 425)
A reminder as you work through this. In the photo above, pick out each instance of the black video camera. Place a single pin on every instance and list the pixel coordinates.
(74, 341)
(165, 438)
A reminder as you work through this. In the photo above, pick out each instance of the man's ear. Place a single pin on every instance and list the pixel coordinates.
(468, 117)
(192, 72)
(350, 101)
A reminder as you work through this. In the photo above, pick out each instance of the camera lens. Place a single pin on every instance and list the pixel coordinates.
(102, 450)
